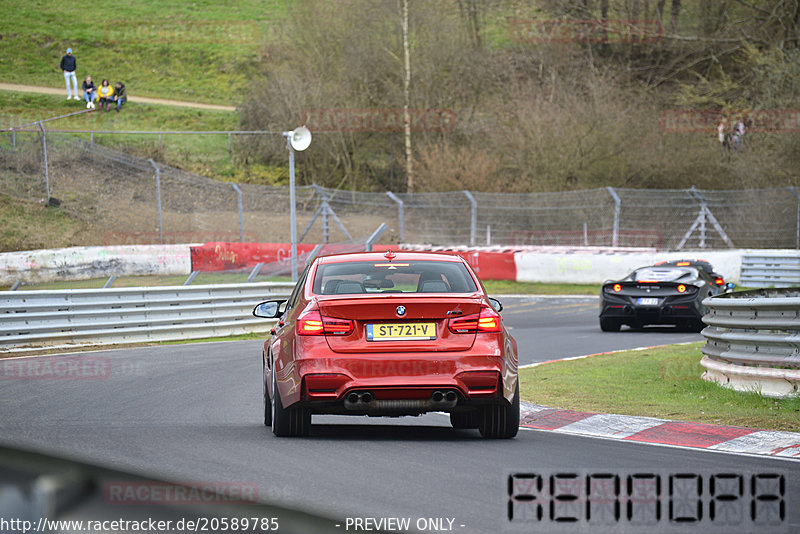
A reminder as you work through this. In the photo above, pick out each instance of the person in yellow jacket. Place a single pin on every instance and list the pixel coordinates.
(104, 95)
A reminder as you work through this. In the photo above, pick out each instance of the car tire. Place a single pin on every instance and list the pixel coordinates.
(500, 421)
(267, 402)
(287, 422)
(609, 325)
(467, 419)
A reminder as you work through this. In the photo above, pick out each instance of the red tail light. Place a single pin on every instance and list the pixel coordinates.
(487, 320)
(681, 288)
(719, 281)
(314, 324)
(617, 288)
(337, 327)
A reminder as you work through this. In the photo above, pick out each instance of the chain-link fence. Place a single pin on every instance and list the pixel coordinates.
(129, 199)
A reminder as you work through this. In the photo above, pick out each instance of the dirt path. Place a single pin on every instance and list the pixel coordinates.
(140, 99)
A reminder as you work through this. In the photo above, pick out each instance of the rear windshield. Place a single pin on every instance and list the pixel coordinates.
(664, 274)
(393, 277)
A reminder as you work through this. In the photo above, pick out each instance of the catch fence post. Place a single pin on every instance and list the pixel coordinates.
(44, 154)
(617, 207)
(241, 211)
(473, 224)
(400, 214)
(797, 231)
(158, 198)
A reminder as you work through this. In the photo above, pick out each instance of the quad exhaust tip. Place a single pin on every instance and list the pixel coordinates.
(439, 399)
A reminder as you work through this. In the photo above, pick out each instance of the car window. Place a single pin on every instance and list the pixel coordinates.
(297, 289)
(664, 274)
(347, 278)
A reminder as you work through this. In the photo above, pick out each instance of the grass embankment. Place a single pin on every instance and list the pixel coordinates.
(663, 382)
(199, 51)
(31, 225)
(206, 155)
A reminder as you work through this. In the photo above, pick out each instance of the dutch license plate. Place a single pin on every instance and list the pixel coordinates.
(647, 302)
(401, 331)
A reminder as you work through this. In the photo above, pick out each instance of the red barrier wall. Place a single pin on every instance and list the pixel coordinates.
(488, 265)
(230, 256)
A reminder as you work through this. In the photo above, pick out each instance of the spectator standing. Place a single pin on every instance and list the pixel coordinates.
(68, 66)
(120, 96)
(738, 134)
(105, 94)
(88, 92)
(721, 130)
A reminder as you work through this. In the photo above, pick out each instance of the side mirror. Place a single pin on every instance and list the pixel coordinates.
(269, 309)
(496, 304)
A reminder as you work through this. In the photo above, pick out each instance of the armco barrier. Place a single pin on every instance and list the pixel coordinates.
(753, 341)
(771, 269)
(131, 315)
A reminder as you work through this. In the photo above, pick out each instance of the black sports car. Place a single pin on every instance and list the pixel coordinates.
(666, 293)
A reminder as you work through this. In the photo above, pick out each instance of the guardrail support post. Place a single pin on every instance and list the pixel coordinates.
(400, 215)
(255, 271)
(375, 236)
(241, 212)
(191, 278)
(617, 209)
(109, 281)
(158, 198)
(44, 154)
(473, 224)
(15, 285)
(797, 234)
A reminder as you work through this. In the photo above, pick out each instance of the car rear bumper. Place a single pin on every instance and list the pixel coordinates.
(666, 314)
(400, 384)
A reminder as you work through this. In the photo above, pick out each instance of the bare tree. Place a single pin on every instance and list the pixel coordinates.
(676, 10)
(406, 98)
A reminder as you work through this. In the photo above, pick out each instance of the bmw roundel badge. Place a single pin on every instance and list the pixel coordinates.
(401, 310)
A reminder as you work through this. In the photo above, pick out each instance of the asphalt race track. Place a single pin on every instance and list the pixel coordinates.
(192, 413)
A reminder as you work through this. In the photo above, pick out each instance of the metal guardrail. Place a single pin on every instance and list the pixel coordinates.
(753, 341)
(74, 317)
(770, 271)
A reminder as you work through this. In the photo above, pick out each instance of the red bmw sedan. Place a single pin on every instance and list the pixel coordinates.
(389, 334)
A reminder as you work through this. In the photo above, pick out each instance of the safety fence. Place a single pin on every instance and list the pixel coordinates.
(74, 317)
(753, 341)
(128, 199)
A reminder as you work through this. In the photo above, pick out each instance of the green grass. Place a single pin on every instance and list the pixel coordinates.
(510, 287)
(663, 382)
(494, 287)
(203, 154)
(238, 277)
(198, 51)
(26, 225)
